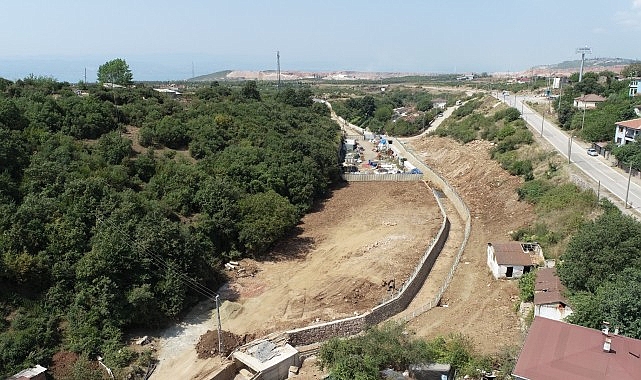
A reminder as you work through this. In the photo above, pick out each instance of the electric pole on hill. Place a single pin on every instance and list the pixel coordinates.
(278, 69)
(583, 51)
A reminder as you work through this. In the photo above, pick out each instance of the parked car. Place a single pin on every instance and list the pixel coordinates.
(592, 152)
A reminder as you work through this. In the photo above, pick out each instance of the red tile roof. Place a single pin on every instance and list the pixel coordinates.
(511, 253)
(632, 124)
(548, 288)
(591, 98)
(556, 350)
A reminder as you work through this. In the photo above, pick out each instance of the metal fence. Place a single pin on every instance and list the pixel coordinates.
(393, 177)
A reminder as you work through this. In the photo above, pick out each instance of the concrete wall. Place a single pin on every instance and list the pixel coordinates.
(403, 177)
(227, 372)
(552, 311)
(318, 333)
(354, 325)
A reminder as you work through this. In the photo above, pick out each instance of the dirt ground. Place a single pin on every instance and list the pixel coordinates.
(334, 265)
(368, 233)
(477, 305)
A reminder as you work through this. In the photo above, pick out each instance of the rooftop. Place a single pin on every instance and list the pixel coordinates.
(591, 98)
(557, 350)
(512, 253)
(548, 288)
(632, 124)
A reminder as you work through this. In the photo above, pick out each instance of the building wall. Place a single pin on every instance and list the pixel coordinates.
(491, 262)
(552, 311)
(620, 135)
(354, 325)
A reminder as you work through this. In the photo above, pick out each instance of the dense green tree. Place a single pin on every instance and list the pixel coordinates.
(632, 70)
(250, 90)
(112, 148)
(115, 71)
(96, 238)
(601, 249)
(264, 218)
(614, 301)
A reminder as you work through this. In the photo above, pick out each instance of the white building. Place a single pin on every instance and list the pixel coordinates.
(588, 101)
(627, 131)
(513, 259)
(549, 301)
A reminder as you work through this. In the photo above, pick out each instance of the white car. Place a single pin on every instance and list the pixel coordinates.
(592, 152)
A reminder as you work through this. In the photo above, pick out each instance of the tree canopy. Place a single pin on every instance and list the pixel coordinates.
(115, 71)
(99, 235)
(602, 269)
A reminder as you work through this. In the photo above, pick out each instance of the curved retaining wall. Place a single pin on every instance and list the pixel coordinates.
(356, 324)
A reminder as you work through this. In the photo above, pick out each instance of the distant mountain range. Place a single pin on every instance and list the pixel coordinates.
(563, 69)
(591, 64)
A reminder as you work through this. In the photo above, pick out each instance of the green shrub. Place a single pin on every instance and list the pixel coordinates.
(526, 286)
(533, 191)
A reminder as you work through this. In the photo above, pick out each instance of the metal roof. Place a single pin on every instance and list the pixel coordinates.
(511, 253)
(556, 350)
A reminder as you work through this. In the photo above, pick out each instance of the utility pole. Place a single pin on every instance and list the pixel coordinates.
(570, 148)
(583, 120)
(220, 332)
(627, 191)
(583, 51)
(542, 121)
(278, 68)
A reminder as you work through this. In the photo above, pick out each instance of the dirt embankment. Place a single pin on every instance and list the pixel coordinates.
(365, 235)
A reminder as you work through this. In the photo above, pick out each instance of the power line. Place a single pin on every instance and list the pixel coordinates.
(162, 263)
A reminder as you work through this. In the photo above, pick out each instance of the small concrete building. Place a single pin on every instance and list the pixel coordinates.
(549, 301)
(34, 373)
(513, 259)
(439, 103)
(269, 359)
(588, 101)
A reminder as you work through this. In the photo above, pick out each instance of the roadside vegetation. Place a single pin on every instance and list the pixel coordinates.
(101, 233)
(390, 346)
(396, 112)
(597, 246)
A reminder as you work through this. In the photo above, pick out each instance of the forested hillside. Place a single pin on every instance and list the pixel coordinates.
(97, 238)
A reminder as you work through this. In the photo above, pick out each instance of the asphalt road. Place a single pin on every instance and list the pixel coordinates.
(597, 167)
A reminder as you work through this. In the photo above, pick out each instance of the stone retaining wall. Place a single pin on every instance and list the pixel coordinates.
(354, 325)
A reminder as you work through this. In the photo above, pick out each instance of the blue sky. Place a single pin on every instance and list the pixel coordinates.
(162, 39)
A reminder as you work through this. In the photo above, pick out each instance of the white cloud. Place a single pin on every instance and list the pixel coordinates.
(630, 18)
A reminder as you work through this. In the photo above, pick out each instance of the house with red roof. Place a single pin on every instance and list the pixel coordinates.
(627, 131)
(588, 101)
(513, 259)
(555, 350)
(549, 299)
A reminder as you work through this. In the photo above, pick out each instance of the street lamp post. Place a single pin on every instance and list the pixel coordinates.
(627, 191)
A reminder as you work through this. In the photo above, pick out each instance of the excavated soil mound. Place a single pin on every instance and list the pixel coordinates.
(207, 346)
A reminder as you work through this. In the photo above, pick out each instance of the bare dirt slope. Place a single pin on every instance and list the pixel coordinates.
(367, 233)
(477, 305)
(333, 266)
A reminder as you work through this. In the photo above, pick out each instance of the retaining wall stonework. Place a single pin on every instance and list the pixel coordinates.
(354, 325)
